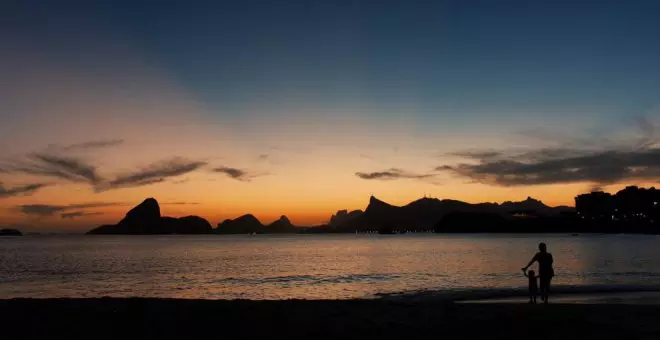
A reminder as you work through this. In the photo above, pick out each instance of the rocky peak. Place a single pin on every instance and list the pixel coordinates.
(146, 212)
(377, 205)
(284, 219)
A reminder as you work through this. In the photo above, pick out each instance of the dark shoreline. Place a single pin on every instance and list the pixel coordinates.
(143, 318)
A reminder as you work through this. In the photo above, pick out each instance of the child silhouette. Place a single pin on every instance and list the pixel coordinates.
(533, 285)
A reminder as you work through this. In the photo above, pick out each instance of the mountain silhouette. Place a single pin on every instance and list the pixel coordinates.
(282, 225)
(631, 210)
(425, 213)
(10, 232)
(245, 224)
(145, 219)
(342, 216)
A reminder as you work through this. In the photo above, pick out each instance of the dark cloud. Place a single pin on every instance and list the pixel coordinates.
(42, 210)
(53, 164)
(391, 174)
(75, 214)
(20, 190)
(237, 174)
(95, 205)
(62, 167)
(154, 173)
(603, 167)
(96, 144)
(231, 172)
(263, 157)
(546, 154)
(589, 158)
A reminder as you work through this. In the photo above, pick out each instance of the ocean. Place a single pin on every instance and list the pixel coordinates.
(310, 266)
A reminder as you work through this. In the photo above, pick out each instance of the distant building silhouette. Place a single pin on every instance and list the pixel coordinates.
(632, 205)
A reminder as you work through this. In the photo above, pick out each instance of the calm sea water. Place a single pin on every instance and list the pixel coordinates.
(308, 266)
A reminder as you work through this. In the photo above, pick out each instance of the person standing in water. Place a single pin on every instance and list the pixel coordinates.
(546, 272)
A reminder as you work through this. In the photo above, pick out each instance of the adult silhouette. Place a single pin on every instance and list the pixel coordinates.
(546, 272)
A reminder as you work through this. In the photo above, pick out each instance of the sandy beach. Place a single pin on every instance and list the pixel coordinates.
(385, 318)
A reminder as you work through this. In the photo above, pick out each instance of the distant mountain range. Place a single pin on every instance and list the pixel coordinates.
(426, 213)
(422, 214)
(248, 224)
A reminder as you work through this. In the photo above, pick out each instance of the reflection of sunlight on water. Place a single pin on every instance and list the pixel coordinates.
(308, 266)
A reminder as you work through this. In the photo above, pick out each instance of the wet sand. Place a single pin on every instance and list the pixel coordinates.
(111, 318)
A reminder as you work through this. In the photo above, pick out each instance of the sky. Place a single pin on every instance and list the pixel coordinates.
(302, 108)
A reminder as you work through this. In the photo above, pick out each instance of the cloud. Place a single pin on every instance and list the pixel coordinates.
(40, 209)
(53, 164)
(20, 190)
(62, 167)
(95, 144)
(237, 174)
(231, 172)
(154, 173)
(650, 132)
(180, 203)
(391, 174)
(75, 214)
(477, 154)
(43, 210)
(569, 166)
(95, 205)
(593, 159)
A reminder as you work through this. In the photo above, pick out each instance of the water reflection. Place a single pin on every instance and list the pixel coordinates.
(308, 266)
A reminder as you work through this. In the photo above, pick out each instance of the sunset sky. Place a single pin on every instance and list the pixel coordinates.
(302, 108)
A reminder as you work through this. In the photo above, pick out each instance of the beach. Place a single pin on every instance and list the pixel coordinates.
(383, 318)
(325, 287)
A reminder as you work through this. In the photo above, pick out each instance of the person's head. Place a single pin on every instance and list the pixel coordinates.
(542, 247)
(531, 273)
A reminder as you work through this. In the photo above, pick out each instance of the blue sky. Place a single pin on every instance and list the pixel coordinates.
(454, 61)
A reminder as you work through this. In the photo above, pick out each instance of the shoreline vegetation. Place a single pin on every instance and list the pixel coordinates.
(421, 318)
(632, 210)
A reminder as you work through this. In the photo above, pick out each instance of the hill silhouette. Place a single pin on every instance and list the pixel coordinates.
(245, 224)
(145, 219)
(10, 232)
(425, 213)
(248, 224)
(631, 210)
(282, 225)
